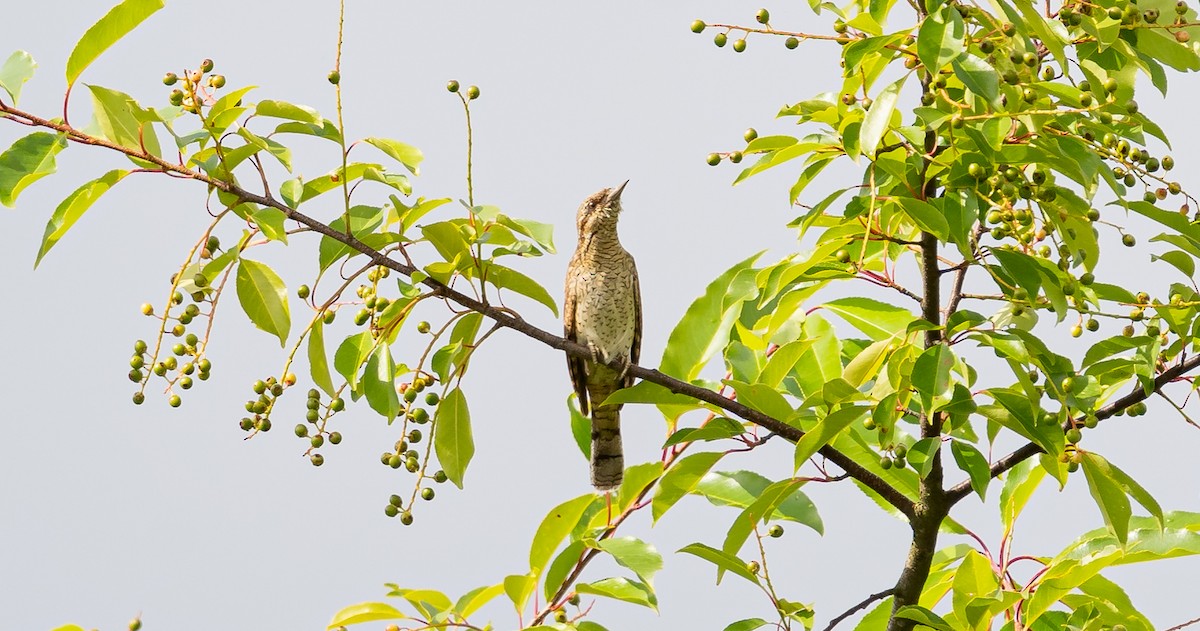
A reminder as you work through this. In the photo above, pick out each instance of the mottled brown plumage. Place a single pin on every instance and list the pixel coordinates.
(602, 310)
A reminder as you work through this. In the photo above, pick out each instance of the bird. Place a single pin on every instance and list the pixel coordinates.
(602, 311)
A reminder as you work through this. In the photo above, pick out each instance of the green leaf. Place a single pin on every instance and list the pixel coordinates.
(317, 363)
(940, 39)
(555, 527)
(124, 122)
(17, 69)
(743, 488)
(581, 427)
(118, 22)
(561, 567)
(879, 117)
(365, 612)
(452, 436)
(716, 429)
(723, 560)
(970, 460)
(621, 589)
(73, 207)
(680, 479)
(471, 601)
(978, 76)
(650, 392)
(447, 239)
(704, 329)
(379, 382)
(924, 616)
(264, 298)
(519, 587)
(351, 354)
(1065, 574)
(405, 154)
(636, 479)
(931, 373)
(762, 398)
(28, 160)
(922, 453)
(744, 523)
(1110, 497)
(270, 221)
(824, 431)
(927, 217)
(364, 220)
(634, 554)
(749, 624)
(290, 111)
(1019, 484)
(506, 278)
(1134, 490)
(878, 320)
(280, 152)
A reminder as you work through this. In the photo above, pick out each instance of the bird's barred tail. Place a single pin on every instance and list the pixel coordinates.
(608, 458)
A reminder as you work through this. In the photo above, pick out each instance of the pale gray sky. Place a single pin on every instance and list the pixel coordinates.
(111, 509)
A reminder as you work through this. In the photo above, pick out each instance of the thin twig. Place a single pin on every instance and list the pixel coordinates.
(860, 606)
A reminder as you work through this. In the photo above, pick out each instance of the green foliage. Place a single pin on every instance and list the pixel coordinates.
(997, 148)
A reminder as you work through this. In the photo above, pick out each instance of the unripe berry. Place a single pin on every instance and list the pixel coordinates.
(775, 531)
(739, 45)
(317, 460)
(427, 494)
(174, 401)
(334, 77)
(791, 43)
(698, 26)
(763, 16)
(713, 159)
(720, 40)
(472, 93)
(303, 292)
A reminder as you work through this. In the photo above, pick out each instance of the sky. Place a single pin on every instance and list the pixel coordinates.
(112, 510)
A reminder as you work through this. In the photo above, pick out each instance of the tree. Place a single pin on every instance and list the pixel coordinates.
(978, 210)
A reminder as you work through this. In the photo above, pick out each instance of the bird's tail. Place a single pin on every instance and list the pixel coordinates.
(608, 457)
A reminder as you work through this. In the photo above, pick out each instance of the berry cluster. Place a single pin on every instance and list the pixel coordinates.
(195, 89)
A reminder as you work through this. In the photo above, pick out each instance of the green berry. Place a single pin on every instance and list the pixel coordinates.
(698, 26)
(390, 511)
(337, 404)
(301, 430)
(472, 93)
(739, 45)
(303, 292)
(335, 438)
(791, 43)
(206, 65)
(440, 476)
(763, 16)
(713, 159)
(317, 441)
(317, 460)
(138, 398)
(452, 86)
(170, 78)
(414, 436)
(775, 531)
(406, 518)
(1128, 240)
(334, 77)
(1074, 436)
(217, 81)
(720, 40)
(422, 327)
(427, 494)
(174, 401)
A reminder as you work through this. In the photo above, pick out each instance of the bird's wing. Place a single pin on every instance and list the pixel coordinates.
(575, 365)
(636, 350)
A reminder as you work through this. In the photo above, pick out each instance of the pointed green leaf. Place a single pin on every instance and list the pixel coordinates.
(878, 320)
(927, 217)
(264, 298)
(940, 39)
(73, 207)
(824, 431)
(118, 22)
(879, 117)
(978, 76)
(924, 616)
(17, 69)
(290, 111)
(636, 479)
(351, 354)
(452, 436)
(405, 154)
(723, 560)
(124, 122)
(471, 601)
(970, 460)
(364, 612)
(379, 382)
(318, 365)
(634, 554)
(621, 589)
(555, 527)
(704, 329)
(680, 479)
(28, 159)
(744, 488)
(518, 588)
(506, 278)
(1110, 497)
(1019, 484)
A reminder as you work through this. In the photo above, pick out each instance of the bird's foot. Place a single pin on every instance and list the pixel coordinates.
(623, 370)
(596, 355)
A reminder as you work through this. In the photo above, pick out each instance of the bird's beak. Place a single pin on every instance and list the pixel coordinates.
(615, 194)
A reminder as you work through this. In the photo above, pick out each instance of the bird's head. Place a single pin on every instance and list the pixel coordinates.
(599, 210)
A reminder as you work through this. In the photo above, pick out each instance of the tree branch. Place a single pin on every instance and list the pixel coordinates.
(502, 317)
(1004, 463)
(860, 606)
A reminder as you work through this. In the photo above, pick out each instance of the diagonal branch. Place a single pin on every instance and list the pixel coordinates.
(502, 317)
(963, 489)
